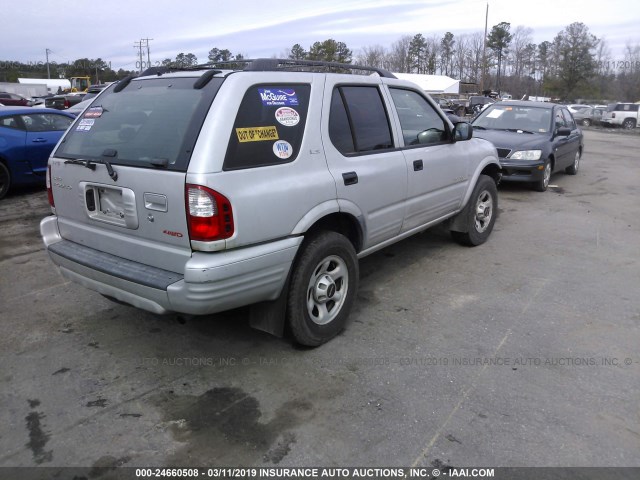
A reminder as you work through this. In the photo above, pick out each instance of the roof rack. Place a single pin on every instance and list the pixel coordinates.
(275, 64)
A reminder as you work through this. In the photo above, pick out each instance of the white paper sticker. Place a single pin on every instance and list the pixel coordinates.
(85, 124)
(287, 116)
(495, 113)
(282, 149)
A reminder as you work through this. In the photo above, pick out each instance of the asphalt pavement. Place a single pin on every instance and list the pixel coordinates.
(520, 352)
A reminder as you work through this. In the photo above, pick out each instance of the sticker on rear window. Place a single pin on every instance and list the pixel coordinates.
(256, 134)
(85, 124)
(93, 112)
(282, 149)
(287, 116)
(279, 97)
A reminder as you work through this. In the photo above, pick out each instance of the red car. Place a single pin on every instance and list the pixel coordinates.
(12, 99)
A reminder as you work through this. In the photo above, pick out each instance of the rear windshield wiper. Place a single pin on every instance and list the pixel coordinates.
(90, 164)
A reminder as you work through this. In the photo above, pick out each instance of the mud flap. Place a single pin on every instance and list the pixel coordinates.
(270, 316)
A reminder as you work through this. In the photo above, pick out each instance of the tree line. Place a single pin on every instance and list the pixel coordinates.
(574, 65)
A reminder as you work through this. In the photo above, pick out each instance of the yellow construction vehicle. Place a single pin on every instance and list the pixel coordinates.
(79, 84)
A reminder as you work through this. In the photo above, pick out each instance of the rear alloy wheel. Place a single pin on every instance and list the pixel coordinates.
(573, 169)
(5, 180)
(323, 287)
(542, 184)
(586, 122)
(480, 213)
(629, 124)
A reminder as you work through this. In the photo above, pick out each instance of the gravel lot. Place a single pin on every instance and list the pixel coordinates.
(521, 352)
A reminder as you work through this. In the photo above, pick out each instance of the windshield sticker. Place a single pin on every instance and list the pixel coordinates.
(93, 112)
(85, 125)
(495, 113)
(287, 116)
(256, 134)
(282, 149)
(278, 97)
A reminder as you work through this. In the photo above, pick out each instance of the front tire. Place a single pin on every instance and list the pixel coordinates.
(480, 213)
(573, 169)
(5, 180)
(586, 122)
(542, 184)
(323, 287)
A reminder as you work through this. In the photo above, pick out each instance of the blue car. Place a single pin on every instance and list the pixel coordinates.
(27, 137)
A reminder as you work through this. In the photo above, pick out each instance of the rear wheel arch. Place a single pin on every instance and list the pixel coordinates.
(342, 223)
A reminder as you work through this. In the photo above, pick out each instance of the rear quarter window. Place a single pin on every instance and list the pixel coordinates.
(269, 126)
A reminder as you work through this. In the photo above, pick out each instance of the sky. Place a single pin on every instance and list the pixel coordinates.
(109, 29)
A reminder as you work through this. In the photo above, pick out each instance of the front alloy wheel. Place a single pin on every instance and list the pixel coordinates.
(478, 217)
(542, 184)
(573, 169)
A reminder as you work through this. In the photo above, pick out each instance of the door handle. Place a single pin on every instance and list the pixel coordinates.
(39, 140)
(417, 165)
(350, 178)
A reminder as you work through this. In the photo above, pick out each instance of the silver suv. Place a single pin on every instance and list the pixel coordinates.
(204, 190)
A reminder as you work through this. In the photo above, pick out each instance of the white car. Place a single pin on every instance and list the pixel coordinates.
(578, 106)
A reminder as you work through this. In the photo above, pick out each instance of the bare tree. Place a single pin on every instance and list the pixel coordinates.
(398, 57)
(373, 56)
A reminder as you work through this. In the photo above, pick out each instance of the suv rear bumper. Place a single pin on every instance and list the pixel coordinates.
(209, 283)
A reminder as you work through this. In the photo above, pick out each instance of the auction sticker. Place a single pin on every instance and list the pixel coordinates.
(257, 134)
(85, 124)
(287, 116)
(93, 112)
(282, 149)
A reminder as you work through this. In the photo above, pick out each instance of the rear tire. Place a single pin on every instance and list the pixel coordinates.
(323, 287)
(629, 124)
(5, 180)
(586, 122)
(480, 213)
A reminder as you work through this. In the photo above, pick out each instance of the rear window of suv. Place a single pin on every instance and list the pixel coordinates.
(269, 126)
(150, 119)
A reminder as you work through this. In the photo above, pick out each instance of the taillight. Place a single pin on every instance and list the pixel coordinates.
(49, 189)
(613, 115)
(66, 103)
(209, 214)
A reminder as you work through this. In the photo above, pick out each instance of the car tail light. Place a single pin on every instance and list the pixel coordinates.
(66, 103)
(49, 189)
(209, 214)
(613, 115)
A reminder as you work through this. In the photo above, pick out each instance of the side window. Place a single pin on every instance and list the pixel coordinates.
(46, 122)
(568, 119)
(339, 129)
(366, 120)
(269, 127)
(11, 122)
(420, 123)
(560, 121)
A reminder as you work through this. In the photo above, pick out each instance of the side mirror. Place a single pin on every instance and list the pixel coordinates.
(563, 132)
(462, 131)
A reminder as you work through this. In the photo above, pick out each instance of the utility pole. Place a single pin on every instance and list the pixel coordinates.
(484, 50)
(138, 45)
(146, 40)
(47, 52)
